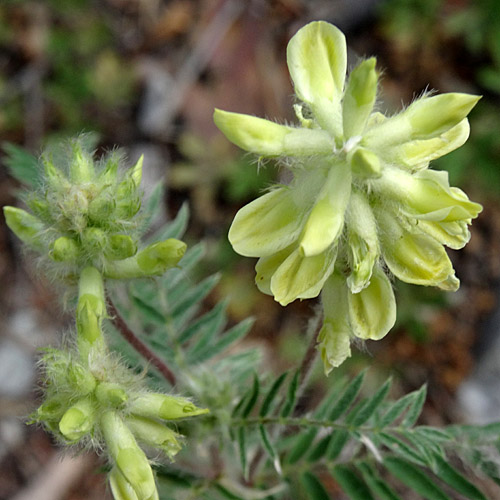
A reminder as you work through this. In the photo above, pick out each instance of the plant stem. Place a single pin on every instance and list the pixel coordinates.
(139, 345)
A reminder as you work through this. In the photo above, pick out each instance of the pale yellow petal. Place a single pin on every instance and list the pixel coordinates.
(372, 312)
(266, 225)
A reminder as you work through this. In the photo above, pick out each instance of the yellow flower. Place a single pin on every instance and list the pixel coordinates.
(361, 193)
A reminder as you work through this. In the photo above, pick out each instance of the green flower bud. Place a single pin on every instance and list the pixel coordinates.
(65, 249)
(88, 323)
(154, 260)
(82, 166)
(359, 97)
(91, 309)
(129, 458)
(101, 209)
(53, 175)
(78, 420)
(94, 240)
(111, 395)
(51, 410)
(156, 405)
(41, 208)
(363, 244)
(25, 226)
(128, 203)
(81, 379)
(136, 171)
(121, 246)
(120, 487)
(365, 163)
(334, 339)
(155, 434)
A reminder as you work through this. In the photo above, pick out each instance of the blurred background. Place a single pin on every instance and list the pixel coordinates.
(145, 75)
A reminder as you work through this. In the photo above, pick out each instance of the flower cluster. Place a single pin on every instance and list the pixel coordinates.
(86, 213)
(85, 219)
(362, 199)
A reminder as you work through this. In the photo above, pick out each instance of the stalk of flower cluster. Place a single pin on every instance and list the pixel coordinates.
(84, 223)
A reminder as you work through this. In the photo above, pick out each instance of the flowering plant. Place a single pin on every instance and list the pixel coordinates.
(362, 199)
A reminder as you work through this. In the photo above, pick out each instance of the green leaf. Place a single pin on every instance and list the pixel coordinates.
(177, 227)
(291, 396)
(270, 396)
(253, 397)
(22, 165)
(347, 398)
(174, 277)
(301, 445)
(243, 451)
(212, 321)
(313, 487)
(339, 439)
(397, 408)
(226, 493)
(188, 304)
(351, 483)
(153, 207)
(414, 478)
(369, 406)
(319, 449)
(149, 313)
(415, 408)
(449, 475)
(228, 338)
(328, 401)
(376, 484)
(401, 448)
(268, 446)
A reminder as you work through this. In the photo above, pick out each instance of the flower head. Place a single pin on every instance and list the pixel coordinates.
(361, 199)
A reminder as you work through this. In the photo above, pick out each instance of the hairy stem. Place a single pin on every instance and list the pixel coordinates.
(139, 345)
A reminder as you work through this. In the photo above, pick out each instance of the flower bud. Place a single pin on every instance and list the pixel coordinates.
(121, 246)
(88, 323)
(82, 166)
(334, 338)
(53, 175)
(128, 203)
(359, 97)
(101, 209)
(135, 172)
(158, 405)
(65, 249)
(158, 257)
(365, 163)
(362, 238)
(111, 395)
(155, 434)
(94, 240)
(51, 410)
(77, 420)
(120, 487)
(25, 226)
(81, 379)
(128, 456)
